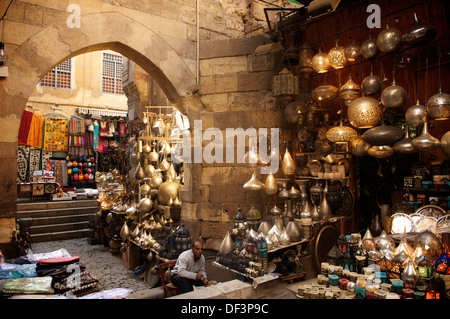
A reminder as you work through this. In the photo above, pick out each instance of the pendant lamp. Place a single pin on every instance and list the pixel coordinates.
(336, 56)
(341, 134)
(320, 62)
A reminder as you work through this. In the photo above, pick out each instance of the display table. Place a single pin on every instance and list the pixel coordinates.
(38, 189)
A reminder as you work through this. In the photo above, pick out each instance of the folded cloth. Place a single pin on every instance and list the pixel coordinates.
(28, 285)
(35, 131)
(24, 127)
(77, 283)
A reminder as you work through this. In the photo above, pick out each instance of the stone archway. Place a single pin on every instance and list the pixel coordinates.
(56, 43)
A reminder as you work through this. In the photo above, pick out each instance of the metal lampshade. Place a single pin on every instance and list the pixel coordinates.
(349, 91)
(364, 112)
(341, 134)
(352, 52)
(320, 62)
(438, 106)
(336, 56)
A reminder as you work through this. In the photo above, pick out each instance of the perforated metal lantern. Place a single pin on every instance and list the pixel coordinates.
(320, 62)
(438, 106)
(341, 134)
(349, 91)
(364, 112)
(336, 57)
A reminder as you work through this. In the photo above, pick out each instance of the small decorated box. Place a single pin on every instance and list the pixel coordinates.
(334, 280)
(343, 283)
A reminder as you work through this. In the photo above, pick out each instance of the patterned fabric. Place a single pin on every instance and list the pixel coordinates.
(56, 134)
(96, 135)
(35, 160)
(24, 127)
(35, 132)
(45, 156)
(23, 154)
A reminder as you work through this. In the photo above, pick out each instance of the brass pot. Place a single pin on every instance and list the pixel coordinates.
(369, 48)
(419, 33)
(364, 112)
(445, 144)
(168, 191)
(416, 115)
(371, 84)
(389, 40)
(383, 135)
(393, 96)
(438, 106)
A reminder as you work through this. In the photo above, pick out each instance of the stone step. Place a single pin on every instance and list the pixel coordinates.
(42, 229)
(24, 206)
(54, 220)
(56, 212)
(63, 235)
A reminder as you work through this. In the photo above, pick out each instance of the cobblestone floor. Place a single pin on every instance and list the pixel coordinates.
(106, 267)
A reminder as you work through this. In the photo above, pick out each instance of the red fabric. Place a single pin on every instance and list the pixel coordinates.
(59, 260)
(24, 128)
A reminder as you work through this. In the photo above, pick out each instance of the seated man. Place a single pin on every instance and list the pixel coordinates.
(189, 270)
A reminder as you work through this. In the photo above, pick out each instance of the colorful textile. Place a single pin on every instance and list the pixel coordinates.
(28, 285)
(56, 134)
(24, 127)
(96, 135)
(35, 160)
(45, 155)
(23, 154)
(35, 132)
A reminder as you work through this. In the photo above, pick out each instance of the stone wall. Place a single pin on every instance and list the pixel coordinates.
(236, 92)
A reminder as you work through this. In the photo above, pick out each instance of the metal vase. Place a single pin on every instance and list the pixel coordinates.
(307, 206)
(324, 207)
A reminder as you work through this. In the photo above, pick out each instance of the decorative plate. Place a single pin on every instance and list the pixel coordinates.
(427, 223)
(431, 210)
(401, 223)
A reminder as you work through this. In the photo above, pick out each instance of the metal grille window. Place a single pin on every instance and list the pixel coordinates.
(112, 74)
(59, 77)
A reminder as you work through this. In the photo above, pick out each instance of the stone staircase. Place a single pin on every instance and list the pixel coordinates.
(57, 220)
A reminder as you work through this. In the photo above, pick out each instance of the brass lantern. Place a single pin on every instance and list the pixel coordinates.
(438, 106)
(349, 91)
(352, 52)
(305, 59)
(336, 56)
(341, 134)
(364, 112)
(285, 83)
(320, 62)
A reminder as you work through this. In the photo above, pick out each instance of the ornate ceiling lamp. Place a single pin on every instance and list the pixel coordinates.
(389, 40)
(369, 48)
(381, 151)
(324, 93)
(341, 134)
(425, 141)
(320, 62)
(364, 112)
(352, 52)
(305, 57)
(349, 91)
(336, 56)
(416, 115)
(438, 106)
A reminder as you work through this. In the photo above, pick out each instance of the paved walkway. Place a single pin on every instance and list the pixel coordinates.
(99, 262)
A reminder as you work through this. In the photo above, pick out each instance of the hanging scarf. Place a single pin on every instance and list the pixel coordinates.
(35, 132)
(24, 127)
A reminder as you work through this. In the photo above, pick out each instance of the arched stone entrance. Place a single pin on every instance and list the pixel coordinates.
(56, 43)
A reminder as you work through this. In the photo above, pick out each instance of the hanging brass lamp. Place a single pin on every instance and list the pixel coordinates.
(445, 144)
(381, 151)
(305, 59)
(288, 165)
(270, 186)
(352, 52)
(393, 96)
(349, 91)
(358, 147)
(425, 141)
(438, 106)
(404, 146)
(416, 115)
(253, 184)
(325, 92)
(389, 40)
(336, 56)
(341, 134)
(369, 48)
(320, 62)
(371, 84)
(364, 112)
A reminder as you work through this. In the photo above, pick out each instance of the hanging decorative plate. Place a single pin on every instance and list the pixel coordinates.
(401, 223)
(443, 224)
(431, 210)
(427, 223)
